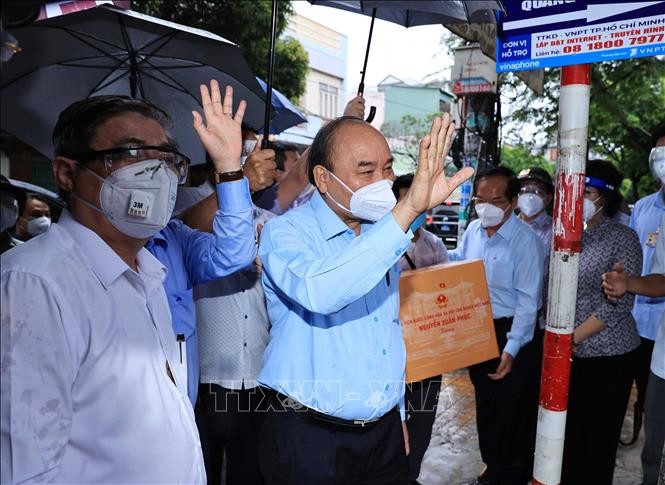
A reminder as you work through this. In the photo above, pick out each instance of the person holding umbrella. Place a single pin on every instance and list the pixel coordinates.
(92, 391)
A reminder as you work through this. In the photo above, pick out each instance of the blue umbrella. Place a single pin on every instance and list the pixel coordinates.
(286, 114)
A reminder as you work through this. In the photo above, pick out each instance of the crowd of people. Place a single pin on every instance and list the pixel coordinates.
(240, 318)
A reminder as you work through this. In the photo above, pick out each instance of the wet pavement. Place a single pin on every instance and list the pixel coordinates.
(453, 455)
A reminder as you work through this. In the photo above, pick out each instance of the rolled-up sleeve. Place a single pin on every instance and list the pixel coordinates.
(38, 369)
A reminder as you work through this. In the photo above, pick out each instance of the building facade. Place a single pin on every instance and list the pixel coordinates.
(324, 97)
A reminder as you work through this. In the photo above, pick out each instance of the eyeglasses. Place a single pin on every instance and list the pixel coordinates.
(533, 190)
(117, 158)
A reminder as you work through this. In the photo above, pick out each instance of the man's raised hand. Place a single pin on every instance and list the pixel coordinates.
(430, 186)
(221, 133)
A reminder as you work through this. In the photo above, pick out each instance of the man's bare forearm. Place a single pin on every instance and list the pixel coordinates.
(649, 285)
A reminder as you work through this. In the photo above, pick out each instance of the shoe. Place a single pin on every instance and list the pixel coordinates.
(637, 426)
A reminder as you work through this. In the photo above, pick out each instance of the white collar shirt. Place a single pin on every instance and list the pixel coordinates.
(428, 250)
(86, 397)
(233, 328)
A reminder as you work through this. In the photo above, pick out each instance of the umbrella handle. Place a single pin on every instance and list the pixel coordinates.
(372, 113)
(372, 109)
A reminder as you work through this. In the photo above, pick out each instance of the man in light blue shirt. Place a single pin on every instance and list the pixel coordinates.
(647, 310)
(644, 220)
(193, 257)
(513, 256)
(336, 359)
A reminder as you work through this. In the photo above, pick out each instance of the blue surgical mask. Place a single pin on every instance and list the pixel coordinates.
(418, 222)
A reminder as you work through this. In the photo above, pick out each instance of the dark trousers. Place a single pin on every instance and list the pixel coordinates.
(599, 392)
(421, 398)
(294, 450)
(654, 429)
(229, 421)
(642, 369)
(504, 435)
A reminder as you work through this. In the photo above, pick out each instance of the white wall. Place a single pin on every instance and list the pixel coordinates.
(310, 100)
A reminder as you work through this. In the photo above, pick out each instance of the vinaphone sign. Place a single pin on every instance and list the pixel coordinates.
(535, 34)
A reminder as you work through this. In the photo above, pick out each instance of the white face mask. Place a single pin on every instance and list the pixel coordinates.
(371, 202)
(8, 211)
(589, 210)
(657, 163)
(530, 204)
(139, 199)
(490, 215)
(38, 225)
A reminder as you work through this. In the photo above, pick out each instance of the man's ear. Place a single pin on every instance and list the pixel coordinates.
(321, 178)
(64, 172)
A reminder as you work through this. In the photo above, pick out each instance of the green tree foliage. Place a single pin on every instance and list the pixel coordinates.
(627, 100)
(404, 141)
(518, 158)
(291, 66)
(247, 23)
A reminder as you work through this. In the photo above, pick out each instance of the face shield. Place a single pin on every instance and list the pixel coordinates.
(657, 163)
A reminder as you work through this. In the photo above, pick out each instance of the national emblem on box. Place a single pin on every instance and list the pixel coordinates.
(446, 318)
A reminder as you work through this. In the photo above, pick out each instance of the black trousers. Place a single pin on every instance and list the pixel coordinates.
(642, 370)
(504, 435)
(599, 392)
(229, 421)
(422, 398)
(296, 451)
(654, 430)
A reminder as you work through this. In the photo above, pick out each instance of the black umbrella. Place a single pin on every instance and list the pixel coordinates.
(107, 50)
(411, 13)
(271, 65)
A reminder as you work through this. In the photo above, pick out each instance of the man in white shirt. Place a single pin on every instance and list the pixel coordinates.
(90, 391)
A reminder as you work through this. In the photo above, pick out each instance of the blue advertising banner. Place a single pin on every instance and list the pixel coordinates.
(537, 33)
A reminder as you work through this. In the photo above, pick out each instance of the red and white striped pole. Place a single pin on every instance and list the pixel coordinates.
(564, 266)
